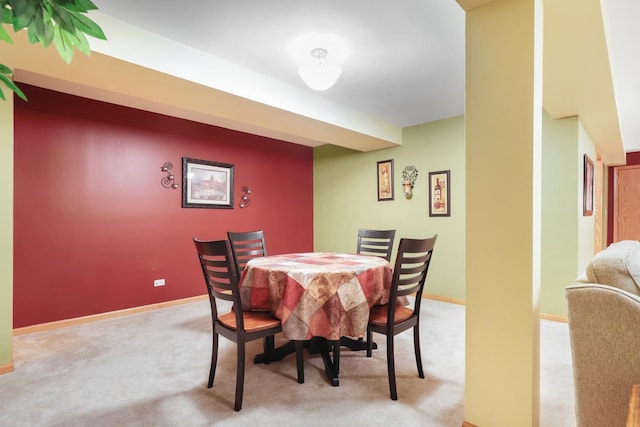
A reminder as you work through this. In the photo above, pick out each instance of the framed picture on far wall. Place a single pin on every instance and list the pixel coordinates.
(587, 196)
(206, 184)
(439, 193)
(385, 180)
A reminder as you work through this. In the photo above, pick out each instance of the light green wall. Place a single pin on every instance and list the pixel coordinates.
(586, 224)
(345, 199)
(6, 229)
(559, 216)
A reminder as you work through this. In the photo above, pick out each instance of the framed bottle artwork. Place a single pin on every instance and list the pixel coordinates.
(439, 193)
(385, 180)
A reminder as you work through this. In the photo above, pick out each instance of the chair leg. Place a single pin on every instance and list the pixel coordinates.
(391, 368)
(214, 359)
(300, 361)
(240, 376)
(416, 344)
(369, 342)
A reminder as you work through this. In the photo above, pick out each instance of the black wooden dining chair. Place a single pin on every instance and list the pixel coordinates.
(245, 246)
(409, 275)
(376, 242)
(239, 326)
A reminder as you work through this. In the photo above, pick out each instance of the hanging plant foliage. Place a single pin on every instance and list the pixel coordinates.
(63, 22)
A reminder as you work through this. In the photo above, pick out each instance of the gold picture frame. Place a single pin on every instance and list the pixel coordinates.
(385, 180)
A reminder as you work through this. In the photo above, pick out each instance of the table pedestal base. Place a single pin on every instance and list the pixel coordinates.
(331, 365)
(277, 354)
(322, 346)
(356, 344)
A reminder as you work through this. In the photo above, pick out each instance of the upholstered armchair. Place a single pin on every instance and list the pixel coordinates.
(604, 328)
(618, 266)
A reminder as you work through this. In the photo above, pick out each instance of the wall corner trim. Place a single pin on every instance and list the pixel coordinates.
(6, 368)
(102, 316)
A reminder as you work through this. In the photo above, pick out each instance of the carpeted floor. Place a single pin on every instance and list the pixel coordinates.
(150, 369)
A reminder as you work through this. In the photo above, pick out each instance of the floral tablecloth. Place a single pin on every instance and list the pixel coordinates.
(317, 294)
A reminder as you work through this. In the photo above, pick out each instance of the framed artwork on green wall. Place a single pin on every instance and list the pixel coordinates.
(439, 193)
(587, 197)
(385, 180)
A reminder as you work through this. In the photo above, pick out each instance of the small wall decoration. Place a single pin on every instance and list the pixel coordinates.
(169, 180)
(439, 193)
(587, 197)
(206, 184)
(244, 200)
(409, 176)
(385, 180)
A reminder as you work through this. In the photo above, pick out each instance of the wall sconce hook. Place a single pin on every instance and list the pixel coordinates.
(169, 180)
(244, 200)
(409, 176)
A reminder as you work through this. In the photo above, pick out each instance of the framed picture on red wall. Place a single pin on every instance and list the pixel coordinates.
(206, 184)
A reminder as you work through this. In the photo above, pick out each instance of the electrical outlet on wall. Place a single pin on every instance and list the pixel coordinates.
(158, 282)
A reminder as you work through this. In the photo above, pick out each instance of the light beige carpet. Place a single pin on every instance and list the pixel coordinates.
(150, 369)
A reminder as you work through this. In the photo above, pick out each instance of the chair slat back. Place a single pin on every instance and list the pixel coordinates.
(411, 267)
(246, 246)
(376, 242)
(219, 272)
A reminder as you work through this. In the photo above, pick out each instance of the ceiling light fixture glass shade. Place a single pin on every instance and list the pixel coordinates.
(318, 72)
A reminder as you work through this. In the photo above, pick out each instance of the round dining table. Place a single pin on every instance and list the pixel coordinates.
(318, 295)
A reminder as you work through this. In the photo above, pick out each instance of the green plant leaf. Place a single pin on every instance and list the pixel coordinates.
(61, 17)
(78, 40)
(86, 5)
(42, 28)
(11, 85)
(81, 43)
(59, 21)
(4, 36)
(20, 93)
(79, 5)
(22, 11)
(87, 26)
(33, 37)
(63, 46)
(7, 16)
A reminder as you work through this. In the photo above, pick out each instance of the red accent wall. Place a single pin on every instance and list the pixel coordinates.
(93, 227)
(632, 159)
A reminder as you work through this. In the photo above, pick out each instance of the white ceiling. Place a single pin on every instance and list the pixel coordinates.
(406, 60)
(386, 74)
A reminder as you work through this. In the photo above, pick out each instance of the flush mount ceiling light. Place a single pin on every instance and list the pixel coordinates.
(319, 72)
